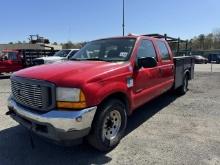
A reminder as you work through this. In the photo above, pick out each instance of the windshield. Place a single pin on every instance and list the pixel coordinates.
(62, 53)
(106, 50)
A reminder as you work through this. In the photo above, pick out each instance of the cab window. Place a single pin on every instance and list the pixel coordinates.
(12, 56)
(163, 50)
(146, 49)
(8, 56)
(4, 57)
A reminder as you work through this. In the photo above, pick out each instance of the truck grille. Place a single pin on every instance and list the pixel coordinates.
(32, 93)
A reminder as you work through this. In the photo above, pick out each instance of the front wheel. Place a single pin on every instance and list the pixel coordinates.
(109, 125)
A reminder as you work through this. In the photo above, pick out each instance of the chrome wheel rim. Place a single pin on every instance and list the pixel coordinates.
(111, 125)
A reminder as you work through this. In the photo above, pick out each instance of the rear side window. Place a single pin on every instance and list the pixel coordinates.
(12, 56)
(9, 56)
(163, 50)
(146, 50)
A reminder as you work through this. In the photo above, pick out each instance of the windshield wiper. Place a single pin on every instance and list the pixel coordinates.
(95, 59)
(88, 59)
(76, 59)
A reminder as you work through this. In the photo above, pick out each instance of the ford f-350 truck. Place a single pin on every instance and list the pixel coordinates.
(92, 95)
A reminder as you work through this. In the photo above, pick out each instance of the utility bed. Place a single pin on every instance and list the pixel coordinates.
(182, 64)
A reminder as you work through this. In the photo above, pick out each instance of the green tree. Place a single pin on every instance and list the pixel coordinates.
(201, 39)
(209, 41)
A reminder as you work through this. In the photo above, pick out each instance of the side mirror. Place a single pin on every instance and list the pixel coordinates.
(147, 62)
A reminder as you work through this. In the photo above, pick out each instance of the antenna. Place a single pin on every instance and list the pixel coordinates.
(123, 19)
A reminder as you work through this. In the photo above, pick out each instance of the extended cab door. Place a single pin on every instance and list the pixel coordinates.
(146, 80)
(166, 65)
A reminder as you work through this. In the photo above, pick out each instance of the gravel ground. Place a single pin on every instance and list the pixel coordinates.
(168, 130)
(207, 67)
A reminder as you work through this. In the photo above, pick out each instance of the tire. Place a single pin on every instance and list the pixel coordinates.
(108, 126)
(184, 88)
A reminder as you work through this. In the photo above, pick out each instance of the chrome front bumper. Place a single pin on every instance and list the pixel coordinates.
(56, 123)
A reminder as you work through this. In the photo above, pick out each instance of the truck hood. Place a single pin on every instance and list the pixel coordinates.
(74, 73)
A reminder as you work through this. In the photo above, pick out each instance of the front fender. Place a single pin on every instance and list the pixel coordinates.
(110, 89)
(100, 92)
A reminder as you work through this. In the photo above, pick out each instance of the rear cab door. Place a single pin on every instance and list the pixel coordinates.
(166, 64)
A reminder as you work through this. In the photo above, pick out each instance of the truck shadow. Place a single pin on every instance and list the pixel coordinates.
(15, 145)
(15, 148)
(148, 110)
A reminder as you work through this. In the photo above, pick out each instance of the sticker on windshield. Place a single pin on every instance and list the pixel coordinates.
(123, 54)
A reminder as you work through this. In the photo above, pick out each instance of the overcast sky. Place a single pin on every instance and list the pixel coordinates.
(84, 20)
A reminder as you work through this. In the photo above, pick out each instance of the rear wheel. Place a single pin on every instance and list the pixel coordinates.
(108, 126)
(183, 89)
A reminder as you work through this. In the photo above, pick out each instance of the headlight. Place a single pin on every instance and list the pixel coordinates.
(68, 94)
(70, 98)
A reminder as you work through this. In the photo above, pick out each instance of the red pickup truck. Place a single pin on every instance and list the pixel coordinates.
(92, 95)
(10, 61)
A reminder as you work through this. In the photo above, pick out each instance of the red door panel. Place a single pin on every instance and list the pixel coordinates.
(2, 66)
(145, 82)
